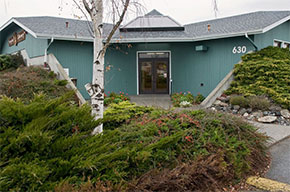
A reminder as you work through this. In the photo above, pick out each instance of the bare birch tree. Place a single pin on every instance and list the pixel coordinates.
(95, 9)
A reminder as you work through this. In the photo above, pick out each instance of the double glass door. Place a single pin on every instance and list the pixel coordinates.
(154, 73)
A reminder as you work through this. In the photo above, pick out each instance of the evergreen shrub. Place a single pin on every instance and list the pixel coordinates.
(46, 144)
(264, 73)
(11, 61)
(24, 82)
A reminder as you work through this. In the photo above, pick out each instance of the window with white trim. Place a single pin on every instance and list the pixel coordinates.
(286, 45)
(277, 43)
(281, 44)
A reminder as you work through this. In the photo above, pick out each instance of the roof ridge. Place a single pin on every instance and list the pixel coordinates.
(154, 12)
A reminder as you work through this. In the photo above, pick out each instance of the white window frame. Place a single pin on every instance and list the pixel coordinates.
(282, 43)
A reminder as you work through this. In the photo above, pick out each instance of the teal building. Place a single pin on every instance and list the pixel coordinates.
(152, 54)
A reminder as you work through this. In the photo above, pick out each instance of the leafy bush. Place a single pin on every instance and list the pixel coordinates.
(27, 81)
(117, 114)
(47, 143)
(266, 72)
(115, 98)
(10, 61)
(259, 103)
(239, 100)
(178, 98)
(199, 98)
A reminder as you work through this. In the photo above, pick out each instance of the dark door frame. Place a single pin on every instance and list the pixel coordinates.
(154, 72)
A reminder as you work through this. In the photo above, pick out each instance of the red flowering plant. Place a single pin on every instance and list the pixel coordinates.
(113, 97)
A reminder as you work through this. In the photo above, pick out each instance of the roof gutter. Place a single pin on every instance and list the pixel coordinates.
(45, 51)
(252, 42)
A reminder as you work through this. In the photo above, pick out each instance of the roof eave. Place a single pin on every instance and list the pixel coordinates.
(204, 38)
(13, 20)
(281, 21)
(65, 38)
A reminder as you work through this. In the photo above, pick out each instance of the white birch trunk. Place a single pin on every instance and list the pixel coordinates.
(96, 89)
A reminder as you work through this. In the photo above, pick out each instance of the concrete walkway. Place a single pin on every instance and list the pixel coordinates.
(159, 101)
(279, 147)
(276, 132)
(280, 167)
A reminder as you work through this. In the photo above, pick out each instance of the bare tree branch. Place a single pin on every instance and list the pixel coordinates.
(215, 7)
(115, 28)
(87, 7)
(88, 22)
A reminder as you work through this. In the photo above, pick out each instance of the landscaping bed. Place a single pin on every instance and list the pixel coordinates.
(260, 90)
(46, 145)
(252, 108)
(186, 100)
(24, 82)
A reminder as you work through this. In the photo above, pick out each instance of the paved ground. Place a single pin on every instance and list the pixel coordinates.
(280, 167)
(159, 101)
(277, 132)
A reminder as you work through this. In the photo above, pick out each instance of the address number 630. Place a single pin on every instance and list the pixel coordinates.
(239, 49)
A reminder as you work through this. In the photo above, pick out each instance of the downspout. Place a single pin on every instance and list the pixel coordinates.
(45, 52)
(251, 41)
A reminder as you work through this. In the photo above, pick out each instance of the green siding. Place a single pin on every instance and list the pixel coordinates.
(78, 57)
(34, 47)
(282, 32)
(189, 68)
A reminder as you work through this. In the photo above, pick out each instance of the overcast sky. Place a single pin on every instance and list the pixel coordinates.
(184, 11)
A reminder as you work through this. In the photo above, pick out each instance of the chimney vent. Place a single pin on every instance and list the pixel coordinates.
(66, 24)
(208, 27)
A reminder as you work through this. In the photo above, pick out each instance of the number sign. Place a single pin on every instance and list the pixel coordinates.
(239, 49)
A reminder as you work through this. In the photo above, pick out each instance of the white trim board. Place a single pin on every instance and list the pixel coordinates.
(20, 25)
(137, 67)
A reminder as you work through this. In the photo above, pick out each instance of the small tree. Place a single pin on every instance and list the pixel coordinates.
(95, 89)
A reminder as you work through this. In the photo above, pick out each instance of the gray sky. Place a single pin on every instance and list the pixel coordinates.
(184, 11)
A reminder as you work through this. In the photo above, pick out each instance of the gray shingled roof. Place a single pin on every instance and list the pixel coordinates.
(241, 23)
(56, 26)
(231, 26)
(152, 20)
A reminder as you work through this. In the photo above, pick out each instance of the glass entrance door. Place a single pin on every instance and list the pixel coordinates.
(154, 73)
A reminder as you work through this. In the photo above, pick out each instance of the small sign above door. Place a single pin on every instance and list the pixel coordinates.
(17, 38)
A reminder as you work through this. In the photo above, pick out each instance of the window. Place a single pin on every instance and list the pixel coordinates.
(281, 44)
(286, 45)
(277, 43)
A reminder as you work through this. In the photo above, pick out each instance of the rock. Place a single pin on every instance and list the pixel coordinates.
(242, 111)
(249, 110)
(218, 107)
(217, 102)
(246, 114)
(213, 109)
(251, 117)
(235, 111)
(278, 113)
(236, 107)
(265, 113)
(275, 108)
(224, 99)
(272, 113)
(258, 114)
(285, 113)
(267, 119)
(224, 104)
